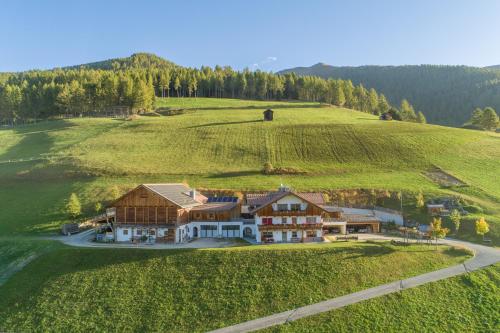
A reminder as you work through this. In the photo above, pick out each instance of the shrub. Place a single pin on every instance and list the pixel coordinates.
(474, 209)
(268, 168)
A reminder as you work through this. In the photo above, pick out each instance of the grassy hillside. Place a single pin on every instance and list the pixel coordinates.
(445, 94)
(131, 290)
(226, 148)
(467, 303)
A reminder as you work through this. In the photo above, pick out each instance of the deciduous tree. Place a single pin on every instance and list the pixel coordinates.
(482, 227)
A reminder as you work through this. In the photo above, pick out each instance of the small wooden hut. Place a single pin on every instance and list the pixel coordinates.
(268, 115)
(386, 116)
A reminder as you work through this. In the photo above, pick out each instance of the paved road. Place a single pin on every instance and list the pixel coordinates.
(484, 256)
(84, 239)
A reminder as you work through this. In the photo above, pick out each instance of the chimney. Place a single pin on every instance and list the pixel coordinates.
(192, 194)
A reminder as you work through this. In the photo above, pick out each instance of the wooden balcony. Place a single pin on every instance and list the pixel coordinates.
(289, 213)
(305, 226)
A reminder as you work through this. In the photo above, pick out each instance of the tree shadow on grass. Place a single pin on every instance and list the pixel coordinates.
(226, 123)
(235, 174)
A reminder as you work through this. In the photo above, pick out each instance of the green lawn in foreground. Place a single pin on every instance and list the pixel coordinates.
(466, 303)
(81, 290)
(227, 148)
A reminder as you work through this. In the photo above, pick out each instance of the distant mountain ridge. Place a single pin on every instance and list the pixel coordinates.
(446, 94)
(136, 60)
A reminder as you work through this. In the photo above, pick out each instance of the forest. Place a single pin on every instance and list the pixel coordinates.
(134, 82)
(446, 94)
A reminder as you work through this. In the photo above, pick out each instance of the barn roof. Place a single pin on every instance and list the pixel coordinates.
(176, 193)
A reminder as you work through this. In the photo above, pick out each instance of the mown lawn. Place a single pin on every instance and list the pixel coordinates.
(467, 303)
(81, 290)
(214, 103)
(16, 253)
(227, 147)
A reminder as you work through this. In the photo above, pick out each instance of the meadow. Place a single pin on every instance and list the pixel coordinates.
(127, 290)
(219, 144)
(466, 303)
(226, 148)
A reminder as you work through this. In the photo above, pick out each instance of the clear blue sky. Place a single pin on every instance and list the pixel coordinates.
(271, 35)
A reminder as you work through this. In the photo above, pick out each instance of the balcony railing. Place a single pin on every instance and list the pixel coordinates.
(302, 226)
(332, 220)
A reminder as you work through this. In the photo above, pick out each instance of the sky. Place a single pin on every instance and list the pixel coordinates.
(269, 35)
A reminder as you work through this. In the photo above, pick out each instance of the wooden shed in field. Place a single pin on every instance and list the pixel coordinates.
(268, 115)
(385, 116)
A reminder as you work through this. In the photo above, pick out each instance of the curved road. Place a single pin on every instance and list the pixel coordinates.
(484, 256)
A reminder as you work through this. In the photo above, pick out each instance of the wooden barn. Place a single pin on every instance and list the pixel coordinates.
(155, 211)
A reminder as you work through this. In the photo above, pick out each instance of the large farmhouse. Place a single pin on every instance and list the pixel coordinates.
(178, 213)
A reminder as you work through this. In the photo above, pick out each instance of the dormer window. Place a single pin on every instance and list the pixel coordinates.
(295, 207)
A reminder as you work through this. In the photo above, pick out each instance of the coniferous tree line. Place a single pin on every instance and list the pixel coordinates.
(445, 93)
(136, 81)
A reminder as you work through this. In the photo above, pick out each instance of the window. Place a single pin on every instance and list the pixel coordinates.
(282, 207)
(125, 232)
(139, 232)
(294, 220)
(230, 227)
(267, 220)
(311, 234)
(283, 220)
(294, 234)
(267, 235)
(295, 207)
(152, 232)
(311, 219)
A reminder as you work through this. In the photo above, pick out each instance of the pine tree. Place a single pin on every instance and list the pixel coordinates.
(98, 207)
(421, 118)
(489, 120)
(383, 105)
(420, 203)
(406, 111)
(73, 207)
(455, 219)
(477, 117)
(373, 102)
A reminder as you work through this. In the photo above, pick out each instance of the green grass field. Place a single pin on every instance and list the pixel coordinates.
(467, 303)
(220, 144)
(131, 290)
(227, 148)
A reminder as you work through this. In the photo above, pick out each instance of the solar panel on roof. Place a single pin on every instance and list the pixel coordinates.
(222, 199)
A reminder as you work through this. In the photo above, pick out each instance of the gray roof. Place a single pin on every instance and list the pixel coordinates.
(176, 193)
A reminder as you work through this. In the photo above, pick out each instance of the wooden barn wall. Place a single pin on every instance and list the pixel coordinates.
(142, 206)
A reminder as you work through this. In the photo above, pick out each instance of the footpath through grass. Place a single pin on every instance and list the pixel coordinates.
(126, 290)
(466, 303)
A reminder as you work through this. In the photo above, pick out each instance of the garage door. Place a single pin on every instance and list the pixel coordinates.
(230, 231)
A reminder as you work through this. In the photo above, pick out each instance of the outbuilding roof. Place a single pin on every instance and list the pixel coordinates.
(179, 194)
